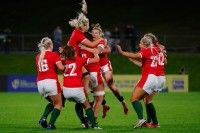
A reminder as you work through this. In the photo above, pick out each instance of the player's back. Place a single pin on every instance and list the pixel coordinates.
(149, 60)
(73, 73)
(47, 68)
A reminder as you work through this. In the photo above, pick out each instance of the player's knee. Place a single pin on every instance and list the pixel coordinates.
(110, 81)
(58, 105)
(133, 99)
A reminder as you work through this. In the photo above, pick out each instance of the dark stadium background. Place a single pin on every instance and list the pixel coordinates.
(158, 16)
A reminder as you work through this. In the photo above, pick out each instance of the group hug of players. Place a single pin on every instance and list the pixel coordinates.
(85, 66)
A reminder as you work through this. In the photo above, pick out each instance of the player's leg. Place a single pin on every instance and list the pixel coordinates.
(49, 107)
(105, 108)
(90, 114)
(110, 82)
(98, 98)
(151, 111)
(57, 102)
(137, 95)
(80, 114)
(53, 89)
(79, 106)
(85, 79)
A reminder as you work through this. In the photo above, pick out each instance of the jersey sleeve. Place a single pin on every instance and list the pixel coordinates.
(56, 58)
(101, 45)
(81, 38)
(83, 60)
(142, 53)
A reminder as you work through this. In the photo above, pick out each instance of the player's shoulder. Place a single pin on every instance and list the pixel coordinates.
(78, 58)
(144, 50)
(52, 55)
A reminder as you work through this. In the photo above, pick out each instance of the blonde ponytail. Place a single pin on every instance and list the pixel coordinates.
(81, 20)
(43, 45)
(84, 7)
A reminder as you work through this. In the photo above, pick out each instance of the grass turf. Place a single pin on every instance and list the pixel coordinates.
(177, 112)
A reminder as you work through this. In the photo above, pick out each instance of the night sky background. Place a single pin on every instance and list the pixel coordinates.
(158, 16)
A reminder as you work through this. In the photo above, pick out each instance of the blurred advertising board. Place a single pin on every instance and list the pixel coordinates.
(177, 83)
(174, 83)
(22, 83)
(27, 83)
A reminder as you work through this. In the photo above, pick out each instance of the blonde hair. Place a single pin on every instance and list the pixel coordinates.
(147, 41)
(152, 37)
(81, 20)
(98, 27)
(43, 45)
(84, 7)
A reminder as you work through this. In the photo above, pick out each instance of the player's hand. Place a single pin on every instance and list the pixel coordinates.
(95, 51)
(81, 46)
(131, 59)
(60, 50)
(106, 41)
(165, 53)
(119, 49)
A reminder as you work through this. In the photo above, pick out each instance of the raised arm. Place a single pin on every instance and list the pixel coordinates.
(128, 54)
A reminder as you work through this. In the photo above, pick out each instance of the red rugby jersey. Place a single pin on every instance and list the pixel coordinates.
(95, 66)
(103, 59)
(161, 63)
(72, 77)
(76, 38)
(149, 60)
(47, 68)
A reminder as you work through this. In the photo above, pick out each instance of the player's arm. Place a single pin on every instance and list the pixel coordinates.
(128, 54)
(89, 43)
(106, 50)
(161, 46)
(165, 55)
(165, 61)
(93, 60)
(60, 66)
(136, 62)
(91, 50)
(96, 58)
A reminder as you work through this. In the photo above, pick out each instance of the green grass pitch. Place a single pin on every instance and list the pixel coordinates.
(177, 113)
